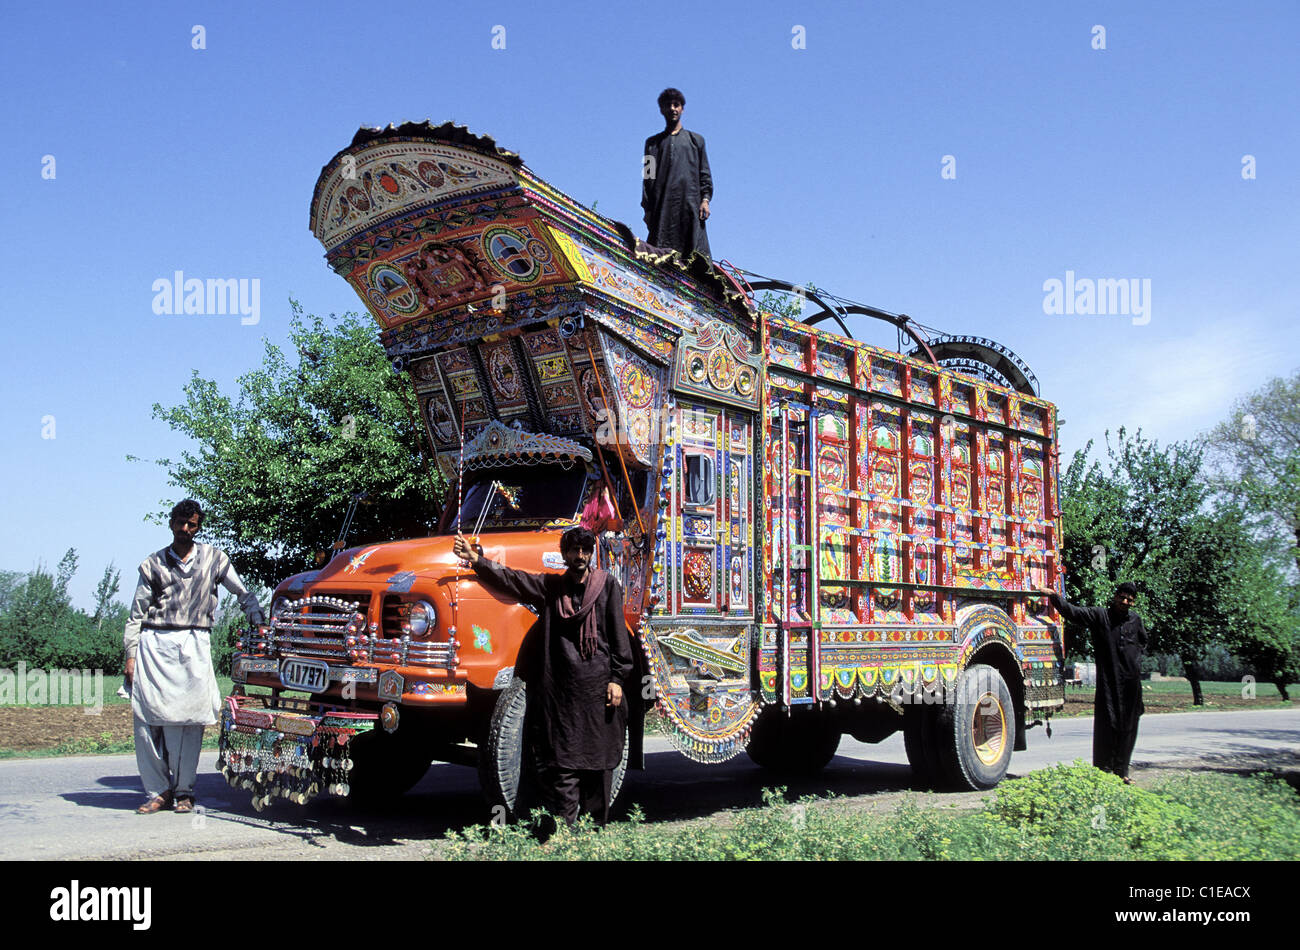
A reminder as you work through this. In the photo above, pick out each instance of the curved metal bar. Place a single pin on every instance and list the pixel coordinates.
(838, 312)
(902, 321)
(827, 310)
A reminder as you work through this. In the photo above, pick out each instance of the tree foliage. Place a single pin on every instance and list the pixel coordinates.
(276, 465)
(1140, 517)
(1150, 515)
(40, 627)
(1257, 451)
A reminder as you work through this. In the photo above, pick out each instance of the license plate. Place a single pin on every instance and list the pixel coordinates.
(310, 675)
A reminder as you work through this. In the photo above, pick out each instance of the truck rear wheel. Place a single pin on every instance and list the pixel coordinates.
(506, 771)
(978, 731)
(921, 740)
(798, 744)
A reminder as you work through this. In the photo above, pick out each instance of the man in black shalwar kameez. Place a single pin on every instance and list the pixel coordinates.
(576, 661)
(676, 184)
(1118, 641)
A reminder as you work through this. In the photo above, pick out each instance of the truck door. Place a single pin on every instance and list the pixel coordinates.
(713, 564)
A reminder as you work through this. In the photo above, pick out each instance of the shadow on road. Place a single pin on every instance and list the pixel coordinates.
(671, 788)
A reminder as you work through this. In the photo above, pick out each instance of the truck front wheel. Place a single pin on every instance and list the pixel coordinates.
(506, 770)
(387, 766)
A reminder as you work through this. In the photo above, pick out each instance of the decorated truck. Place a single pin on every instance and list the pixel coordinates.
(815, 536)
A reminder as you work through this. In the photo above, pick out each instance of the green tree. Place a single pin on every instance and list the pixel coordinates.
(38, 615)
(1263, 627)
(10, 581)
(40, 627)
(276, 466)
(1257, 451)
(1143, 517)
(105, 591)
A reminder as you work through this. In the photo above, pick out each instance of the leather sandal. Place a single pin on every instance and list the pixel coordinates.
(155, 804)
(184, 806)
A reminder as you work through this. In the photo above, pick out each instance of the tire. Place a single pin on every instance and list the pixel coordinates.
(508, 781)
(978, 731)
(386, 766)
(798, 744)
(921, 740)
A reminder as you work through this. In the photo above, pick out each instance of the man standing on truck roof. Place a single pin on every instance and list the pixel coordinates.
(1118, 642)
(169, 657)
(676, 184)
(575, 663)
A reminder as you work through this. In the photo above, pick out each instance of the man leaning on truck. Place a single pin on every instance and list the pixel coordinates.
(575, 662)
(169, 657)
(1118, 641)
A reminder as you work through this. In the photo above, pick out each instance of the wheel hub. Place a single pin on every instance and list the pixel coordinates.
(989, 729)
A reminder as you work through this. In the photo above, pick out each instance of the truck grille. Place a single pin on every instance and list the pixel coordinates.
(319, 625)
(323, 624)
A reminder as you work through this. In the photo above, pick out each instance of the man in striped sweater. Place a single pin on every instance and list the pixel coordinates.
(169, 657)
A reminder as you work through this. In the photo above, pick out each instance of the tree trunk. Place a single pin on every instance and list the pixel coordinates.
(1281, 688)
(1193, 671)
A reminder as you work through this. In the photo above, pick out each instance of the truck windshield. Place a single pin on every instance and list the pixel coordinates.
(517, 496)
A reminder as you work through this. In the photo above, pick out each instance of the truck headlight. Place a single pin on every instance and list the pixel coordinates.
(423, 618)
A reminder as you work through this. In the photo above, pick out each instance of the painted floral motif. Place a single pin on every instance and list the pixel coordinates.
(636, 385)
(697, 575)
(505, 378)
(921, 484)
(722, 369)
(884, 477)
(960, 489)
(832, 467)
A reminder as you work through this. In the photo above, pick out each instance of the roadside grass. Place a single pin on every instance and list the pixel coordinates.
(1064, 813)
(1167, 696)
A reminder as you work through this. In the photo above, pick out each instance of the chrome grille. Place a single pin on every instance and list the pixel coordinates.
(318, 625)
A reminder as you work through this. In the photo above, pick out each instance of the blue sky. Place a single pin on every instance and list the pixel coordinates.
(1117, 163)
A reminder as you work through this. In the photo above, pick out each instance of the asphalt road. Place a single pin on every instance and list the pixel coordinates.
(83, 806)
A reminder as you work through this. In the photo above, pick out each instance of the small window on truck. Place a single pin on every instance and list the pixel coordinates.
(699, 479)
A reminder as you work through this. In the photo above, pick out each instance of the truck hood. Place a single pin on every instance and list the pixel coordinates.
(534, 551)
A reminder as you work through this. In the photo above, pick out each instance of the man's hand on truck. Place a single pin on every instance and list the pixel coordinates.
(463, 550)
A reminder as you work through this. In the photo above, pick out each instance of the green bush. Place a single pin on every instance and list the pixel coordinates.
(1073, 812)
(1236, 817)
(1087, 814)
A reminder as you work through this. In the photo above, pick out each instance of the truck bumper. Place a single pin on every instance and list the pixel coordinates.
(274, 753)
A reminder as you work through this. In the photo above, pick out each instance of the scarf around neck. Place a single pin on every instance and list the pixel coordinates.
(570, 608)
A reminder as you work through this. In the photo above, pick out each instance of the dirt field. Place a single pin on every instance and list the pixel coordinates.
(33, 728)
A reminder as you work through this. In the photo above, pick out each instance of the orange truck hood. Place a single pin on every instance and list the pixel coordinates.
(489, 626)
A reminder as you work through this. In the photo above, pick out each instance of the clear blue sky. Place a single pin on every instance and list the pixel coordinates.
(1117, 163)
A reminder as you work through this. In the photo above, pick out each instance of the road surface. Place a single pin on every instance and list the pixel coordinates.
(82, 807)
